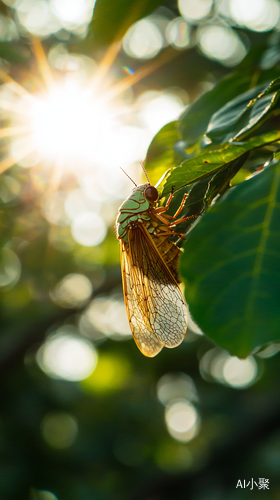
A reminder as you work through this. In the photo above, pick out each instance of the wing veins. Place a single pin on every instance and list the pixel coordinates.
(156, 308)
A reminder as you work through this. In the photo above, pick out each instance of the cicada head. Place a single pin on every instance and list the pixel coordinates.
(151, 193)
(141, 198)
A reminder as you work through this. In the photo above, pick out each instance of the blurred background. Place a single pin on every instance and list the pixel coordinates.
(83, 414)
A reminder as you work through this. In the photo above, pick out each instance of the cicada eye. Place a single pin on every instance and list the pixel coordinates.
(151, 193)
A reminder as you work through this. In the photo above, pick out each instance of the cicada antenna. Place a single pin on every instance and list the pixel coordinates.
(144, 170)
(128, 176)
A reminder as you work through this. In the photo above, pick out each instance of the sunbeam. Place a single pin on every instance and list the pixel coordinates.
(75, 121)
(43, 64)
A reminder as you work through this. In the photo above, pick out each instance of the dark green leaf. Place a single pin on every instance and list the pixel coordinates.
(223, 123)
(231, 266)
(202, 165)
(244, 113)
(195, 120)
(193, 206)
(220, 182)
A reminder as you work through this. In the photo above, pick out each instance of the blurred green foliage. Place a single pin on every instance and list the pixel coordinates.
(110, 24)
(109, 436)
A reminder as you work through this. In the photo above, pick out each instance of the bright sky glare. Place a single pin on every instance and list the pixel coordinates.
(69, 123)
(76, 130)
(80, 127)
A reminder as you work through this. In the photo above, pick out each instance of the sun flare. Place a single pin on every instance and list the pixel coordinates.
(79, 121)
(70, 124)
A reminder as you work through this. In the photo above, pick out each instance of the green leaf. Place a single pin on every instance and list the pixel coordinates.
(162, 154)
(209, 161)
(223, 123)
(220, 182)
(265, 106)
(231, 266)
(111, 20)
(243, 114)
(193, 206)
(195, 120)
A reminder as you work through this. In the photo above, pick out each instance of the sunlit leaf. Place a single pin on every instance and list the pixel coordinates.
(162, 155)
(208, 162)
(231, 266)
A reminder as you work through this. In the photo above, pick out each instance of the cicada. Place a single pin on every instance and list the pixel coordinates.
(156, 309)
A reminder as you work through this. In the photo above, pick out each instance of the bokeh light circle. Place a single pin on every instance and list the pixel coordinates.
(182, 420)
(67, 356)
(159, 108)
(257, 15)
(59, 429)
(175, 386)
(228, 370)
(194, 10)
(221, 43)
(10, 268)
(89, 229)
(74, 290)
(240, 373)
(143, 40)
(72, 13)
(178, 33)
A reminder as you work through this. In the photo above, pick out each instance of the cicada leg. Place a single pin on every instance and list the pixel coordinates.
(161, 210)
(166, 219)
(183, 219)
(170, 233)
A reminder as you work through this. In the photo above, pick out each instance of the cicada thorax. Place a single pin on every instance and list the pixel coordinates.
(133, 209)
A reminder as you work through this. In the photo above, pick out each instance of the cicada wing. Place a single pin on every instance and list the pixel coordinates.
(155, 305)
(137, 316)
